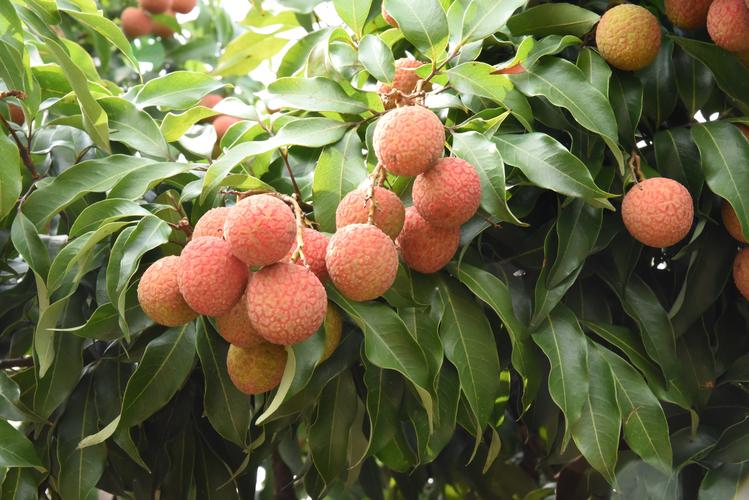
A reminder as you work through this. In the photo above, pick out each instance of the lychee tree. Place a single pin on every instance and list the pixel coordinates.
(355, 249)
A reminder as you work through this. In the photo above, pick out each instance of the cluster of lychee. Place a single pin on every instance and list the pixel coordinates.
(259, 273)
(138, 21)
(629, 36)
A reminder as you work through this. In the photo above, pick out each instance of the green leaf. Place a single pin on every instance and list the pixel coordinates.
(135, 184)
(247, 52)
(645, 427)
(625, 92)
(485, 17)
(596, 433)
(102, 212)
(694, 81)
(730, 75)
(578, 226)
(227, 409)
(478, 78)
(107, 29)
(340, 169)
(725, 481)
(10, 175)
(177, 90)
(423, 23)
(595, 68)
(314, 94)
(328, 434)
(549, 165)
(309, 132)
(296, 57)
(384, 395)
(29, 246)
(15, 448)
(469, 345)
(678, 158)
(660, 85)
(92, 176)
(563, 342)
(166, 363)
(57, 383)
(565, 85)
(377, 58)
(175, 125)
(133, 127)
(10, 399)
(553, 19)
(354, 13)
(20, 484)
(725, 154)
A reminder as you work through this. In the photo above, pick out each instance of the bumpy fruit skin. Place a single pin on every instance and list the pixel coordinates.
(16, 114)
(688, 14)
(362, 262)
(658, 212)
(286, 303)
(728, 24)
(409, 140)
(388, 18)
(449, 193)
(183, 6)
(210, 278)
(405, 80)
(389, 211)
(155, 6)
(424, 247)
(315, 248)
(211, 224)
(258, 369)
(236, 328)
(136, 22)
(731, 222)
(260, 230)
(159, 296)
(333, 330)
(628, 37)
(741, 272)
(222, 123)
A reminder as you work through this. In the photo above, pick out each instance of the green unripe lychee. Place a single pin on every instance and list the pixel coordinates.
(257, 369)
(333, 326)
(628, 37)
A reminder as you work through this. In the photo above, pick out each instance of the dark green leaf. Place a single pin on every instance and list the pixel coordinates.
(553, 19)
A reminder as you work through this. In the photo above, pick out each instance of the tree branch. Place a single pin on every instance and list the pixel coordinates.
(22, 362)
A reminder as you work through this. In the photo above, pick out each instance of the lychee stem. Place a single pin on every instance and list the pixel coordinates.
(376, 179)
(634, 166)
(184, 226)
(23, 150)
(299, 216)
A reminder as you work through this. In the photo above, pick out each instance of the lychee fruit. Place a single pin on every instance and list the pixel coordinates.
(628, 37)
(405, 80)
(155, 6)
(222, 123)
(286, 303)
(136, 22)
(333, 326)
(183, 6)
(235, 326)
(161, 29)
(424, 247)
(449, 193)
(362, 261)
(315, 248)
(388, 18)
(389, 211)
(210, 278)
(731, 222)
(658, 212)
(258, 369)
(409, 140)
(744, 130)
(728, 24)
(260, 230)
(211, 224)
(159, 295)
(16, 114)
(210, 101)
(688, 14)
(741, 272)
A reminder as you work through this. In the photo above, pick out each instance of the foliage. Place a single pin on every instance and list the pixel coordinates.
(554, 352)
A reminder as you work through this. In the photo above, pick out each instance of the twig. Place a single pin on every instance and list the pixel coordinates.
(376, 179)
(21, 149)
(634, 166)
(184, 226)
(436, 69)
(285, 156)
(22, 362)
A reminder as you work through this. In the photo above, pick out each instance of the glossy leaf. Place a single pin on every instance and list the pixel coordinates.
(10, 176)
(423, 23)
(553, 19)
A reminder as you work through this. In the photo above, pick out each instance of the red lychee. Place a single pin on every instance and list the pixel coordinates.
(389, 211)
(424, 247)
(136, 22)
(211, 224)
(258, 369)
(728, 24)
(315, 247)
(236, 328)
(741, 272)
(449, 193)
(159, 296)
(409, 140)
